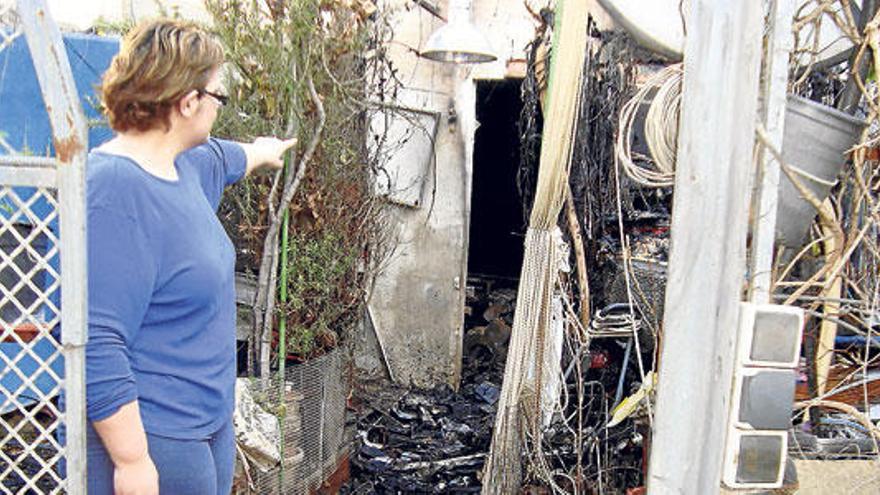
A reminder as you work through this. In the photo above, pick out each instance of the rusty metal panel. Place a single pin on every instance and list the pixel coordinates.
(56, 80)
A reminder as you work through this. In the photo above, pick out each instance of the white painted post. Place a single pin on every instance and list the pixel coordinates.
(707, 261)
(775, 89)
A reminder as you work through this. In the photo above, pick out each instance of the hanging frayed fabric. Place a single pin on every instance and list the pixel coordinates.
(551, 365)
(519, 408)
(503, 471)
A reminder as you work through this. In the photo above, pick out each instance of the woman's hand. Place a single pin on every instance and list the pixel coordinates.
(122, 434)
(266, 152)
(136, 478)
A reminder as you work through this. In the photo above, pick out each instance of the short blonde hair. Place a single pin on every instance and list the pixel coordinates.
(159, 62)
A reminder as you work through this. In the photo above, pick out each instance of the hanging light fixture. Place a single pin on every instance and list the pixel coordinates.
(458, 41)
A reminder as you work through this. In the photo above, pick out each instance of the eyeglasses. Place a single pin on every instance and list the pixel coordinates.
(221, 99)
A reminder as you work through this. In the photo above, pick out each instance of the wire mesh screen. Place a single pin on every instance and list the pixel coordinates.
(311, 407)
(30, 351)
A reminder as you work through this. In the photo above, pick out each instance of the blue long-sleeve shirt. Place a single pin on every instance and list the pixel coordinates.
(162, 291)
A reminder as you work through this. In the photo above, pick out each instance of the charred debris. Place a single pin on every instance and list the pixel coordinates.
(436, 441)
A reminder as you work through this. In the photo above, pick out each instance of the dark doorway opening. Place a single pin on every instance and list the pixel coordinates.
(497, 229)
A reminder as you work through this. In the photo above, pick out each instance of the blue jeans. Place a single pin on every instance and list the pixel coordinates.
(186, 467)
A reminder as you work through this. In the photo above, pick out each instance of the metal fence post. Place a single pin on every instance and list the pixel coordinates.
(69, 133)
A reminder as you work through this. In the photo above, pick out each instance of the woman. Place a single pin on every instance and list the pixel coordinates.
(161, 353)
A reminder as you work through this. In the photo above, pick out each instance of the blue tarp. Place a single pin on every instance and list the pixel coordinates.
(24, 125)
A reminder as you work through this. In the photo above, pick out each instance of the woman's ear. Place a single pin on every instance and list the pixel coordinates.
(189, 104)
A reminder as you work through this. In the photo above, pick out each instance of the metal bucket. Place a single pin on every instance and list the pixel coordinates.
(815, 140)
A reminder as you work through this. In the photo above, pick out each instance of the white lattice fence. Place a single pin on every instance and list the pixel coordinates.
(42, 261)
(31, 354)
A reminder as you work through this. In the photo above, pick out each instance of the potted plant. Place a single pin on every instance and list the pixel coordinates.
(310, 238)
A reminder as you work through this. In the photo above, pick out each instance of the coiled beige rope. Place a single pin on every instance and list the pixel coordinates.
(661, 129)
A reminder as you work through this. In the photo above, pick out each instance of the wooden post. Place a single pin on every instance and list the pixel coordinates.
(707, 260)
(828, 328)
(775, 91)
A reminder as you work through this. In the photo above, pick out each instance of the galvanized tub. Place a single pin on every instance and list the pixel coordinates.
(815, 140)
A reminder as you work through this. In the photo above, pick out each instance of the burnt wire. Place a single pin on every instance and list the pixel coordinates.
(529, 126)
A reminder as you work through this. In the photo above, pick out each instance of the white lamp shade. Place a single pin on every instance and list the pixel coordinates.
(459, 41)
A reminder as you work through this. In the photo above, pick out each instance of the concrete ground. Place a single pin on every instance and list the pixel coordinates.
(831, 478)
